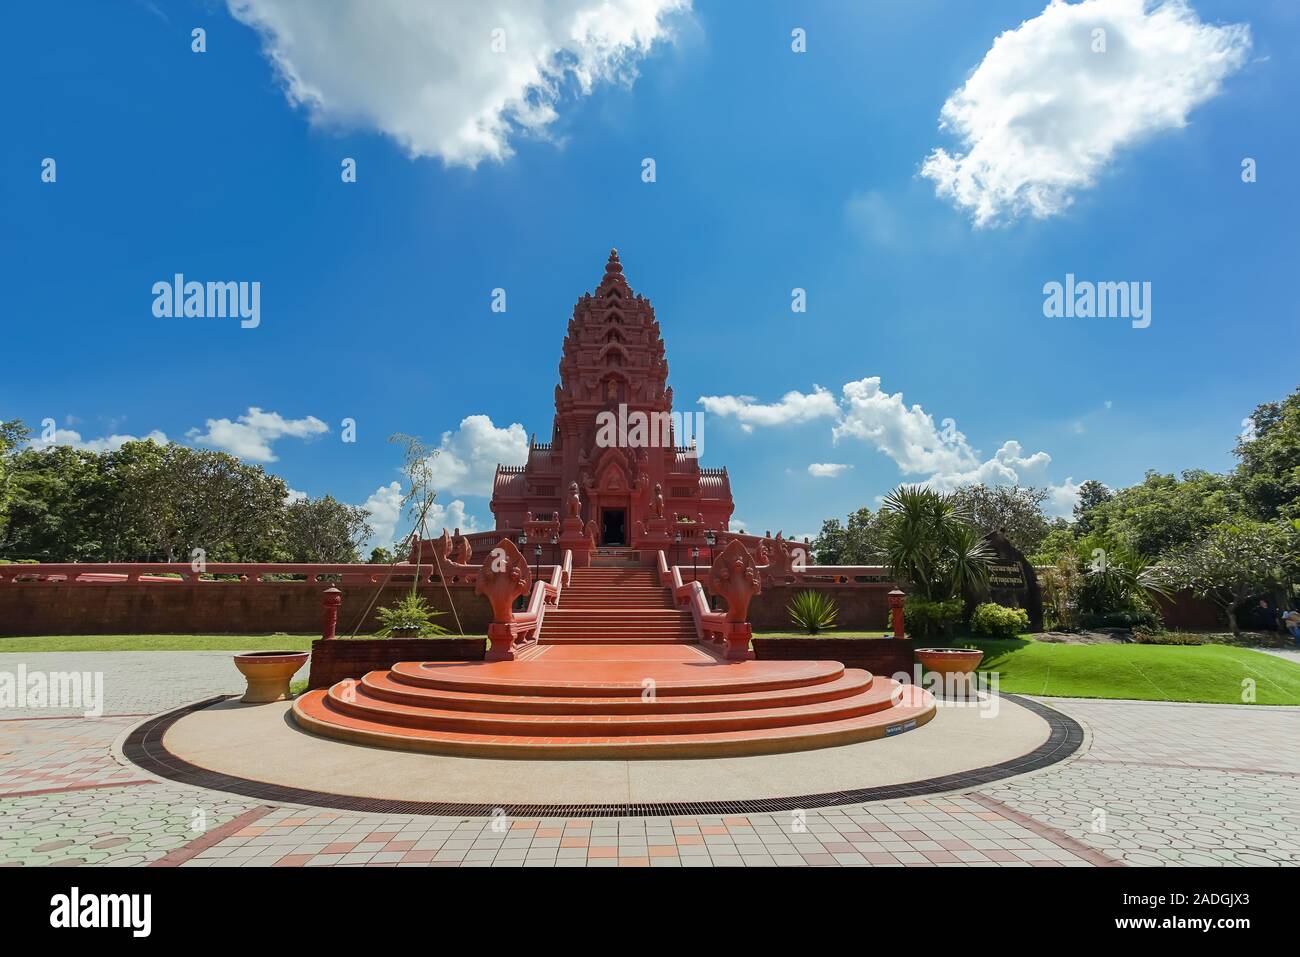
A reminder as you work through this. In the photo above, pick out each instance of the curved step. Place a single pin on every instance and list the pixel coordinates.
(592, 679)
(915, 707)
(379, 684)
(351, 699)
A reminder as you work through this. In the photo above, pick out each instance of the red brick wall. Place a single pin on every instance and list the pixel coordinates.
(332, 661)
(880, 656)
(209, 608)
(861, 607)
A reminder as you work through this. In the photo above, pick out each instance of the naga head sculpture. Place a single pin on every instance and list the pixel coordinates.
(734, 577)
(503, 577)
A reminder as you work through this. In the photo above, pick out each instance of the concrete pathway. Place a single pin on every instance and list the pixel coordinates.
(1160, 784)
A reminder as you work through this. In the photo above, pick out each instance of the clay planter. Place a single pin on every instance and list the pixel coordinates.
(954, 667)
(268, 673)
(411, 631)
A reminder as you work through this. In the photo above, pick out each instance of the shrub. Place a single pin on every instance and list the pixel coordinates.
(411, 617)
(925, 619)
(1139, 618)
(812, 611)
(999, 621)
(1154, 636)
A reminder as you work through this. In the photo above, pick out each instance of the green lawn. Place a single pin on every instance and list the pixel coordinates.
(1212, 673)
(167, 642)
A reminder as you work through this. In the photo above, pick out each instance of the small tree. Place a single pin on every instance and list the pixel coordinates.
(930, 544)
(1237, 561)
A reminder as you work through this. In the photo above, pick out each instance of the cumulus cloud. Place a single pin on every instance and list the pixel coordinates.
(794, 407)
(467, 458)
(385, 508)
(1046, 110)
(827, 469)
(108, 443)
(436, 77)
(938, 455)
(1062, 498)
(250, 436)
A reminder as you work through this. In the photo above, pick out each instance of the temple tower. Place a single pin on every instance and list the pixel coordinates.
(615, 435)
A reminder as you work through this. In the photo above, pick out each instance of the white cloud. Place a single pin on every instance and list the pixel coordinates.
(293, 495)
(1043, 114)
(385, 507)
(427, 74)
(1062, 498)
(467, 458)
(251, 435)
(794, 407)
(937, 455)
(108, 443)
(827, 469)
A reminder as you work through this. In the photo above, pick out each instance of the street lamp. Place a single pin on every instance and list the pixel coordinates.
(555, 548)
(695, 557)
(677, 544)
(537, 562)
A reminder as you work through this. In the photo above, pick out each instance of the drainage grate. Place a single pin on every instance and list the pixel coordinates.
(144, 747)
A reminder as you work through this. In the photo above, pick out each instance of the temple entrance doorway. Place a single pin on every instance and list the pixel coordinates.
(613, 526)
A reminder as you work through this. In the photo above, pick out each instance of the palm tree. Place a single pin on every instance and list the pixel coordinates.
(931, 544)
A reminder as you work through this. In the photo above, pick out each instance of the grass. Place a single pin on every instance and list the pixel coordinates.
(1208, 673)
(167, 642)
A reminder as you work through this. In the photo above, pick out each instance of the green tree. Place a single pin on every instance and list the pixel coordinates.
(1092, 495)
(12, 434)
(828, 546)
(1015, 511)
(1238, 561)
(931, 545)
(57, 503)
(1268, 470)
(324, 530)
(1163, 512)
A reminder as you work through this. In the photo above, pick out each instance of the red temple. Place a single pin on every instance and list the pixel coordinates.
(615, 437)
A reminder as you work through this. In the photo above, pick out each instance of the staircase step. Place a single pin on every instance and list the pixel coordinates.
(914, 708)
(615, 678)
(380, 684)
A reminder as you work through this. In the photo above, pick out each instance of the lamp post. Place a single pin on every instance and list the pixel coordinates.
(537, 562)
(677, 544)
(555, 548)
(896, 598)
(710, 539)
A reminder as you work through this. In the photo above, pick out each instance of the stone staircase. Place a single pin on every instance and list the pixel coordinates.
(607, 606)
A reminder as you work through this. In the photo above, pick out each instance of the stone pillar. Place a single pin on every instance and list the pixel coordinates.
(331, 601)
(896, 611)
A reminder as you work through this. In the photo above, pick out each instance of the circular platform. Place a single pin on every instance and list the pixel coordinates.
(258, 751)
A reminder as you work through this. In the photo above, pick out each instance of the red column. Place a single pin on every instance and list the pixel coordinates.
(896, 611)
(332, 599)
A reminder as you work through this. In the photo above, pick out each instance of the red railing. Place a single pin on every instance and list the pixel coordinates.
(232, 573)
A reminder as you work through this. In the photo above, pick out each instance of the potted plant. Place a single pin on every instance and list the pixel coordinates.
(411, 617)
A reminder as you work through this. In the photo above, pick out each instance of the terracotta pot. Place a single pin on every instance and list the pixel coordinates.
(953, 665)
(412, 631)
(268, 673)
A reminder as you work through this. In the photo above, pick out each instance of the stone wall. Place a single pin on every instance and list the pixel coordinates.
(211, 608)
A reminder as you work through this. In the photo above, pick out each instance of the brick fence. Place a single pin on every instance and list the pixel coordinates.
(123, 608)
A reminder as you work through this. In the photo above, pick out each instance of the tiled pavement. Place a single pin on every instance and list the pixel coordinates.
(1160, 784)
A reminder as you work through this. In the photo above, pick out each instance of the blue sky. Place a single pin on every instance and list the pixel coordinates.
(775, 170)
